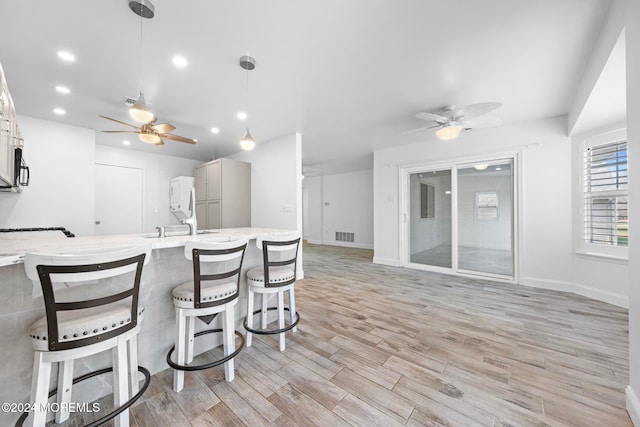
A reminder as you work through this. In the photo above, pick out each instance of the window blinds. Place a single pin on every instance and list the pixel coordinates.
(605, 194)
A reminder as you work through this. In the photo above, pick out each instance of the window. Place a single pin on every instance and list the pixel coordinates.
(605, 187)
(487, 205)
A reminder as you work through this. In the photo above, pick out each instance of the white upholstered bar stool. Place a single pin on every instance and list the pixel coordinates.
(276, 276)
(91, 304)
(206, 296)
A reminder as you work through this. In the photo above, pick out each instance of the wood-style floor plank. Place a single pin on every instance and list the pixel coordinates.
(382, 345)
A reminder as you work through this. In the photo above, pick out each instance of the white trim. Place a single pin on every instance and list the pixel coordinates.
(347, 244)
(453, 165)
(633, 406)
(576, 288)
(387, 261)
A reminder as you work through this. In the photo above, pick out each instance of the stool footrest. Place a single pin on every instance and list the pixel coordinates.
(271, 331)
(111, 415)
(206, 365)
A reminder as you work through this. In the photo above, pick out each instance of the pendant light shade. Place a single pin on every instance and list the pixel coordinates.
(247, 142)
(140, 110)
(449, 132)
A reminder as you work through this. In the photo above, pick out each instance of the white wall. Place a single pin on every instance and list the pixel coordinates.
(276, 188)
(632, 31)
(341, 202)
(157, 172)
(60, 191)
(313, 231)
(546, 250)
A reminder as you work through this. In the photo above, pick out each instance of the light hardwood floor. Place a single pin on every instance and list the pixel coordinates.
(388, 346)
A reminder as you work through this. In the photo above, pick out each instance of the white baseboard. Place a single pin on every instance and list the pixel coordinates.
(576, 288)
(633, 406)
(386, 261)
(343, 244)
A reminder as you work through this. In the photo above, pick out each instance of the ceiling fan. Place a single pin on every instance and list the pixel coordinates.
(451, 120)
(151, 133)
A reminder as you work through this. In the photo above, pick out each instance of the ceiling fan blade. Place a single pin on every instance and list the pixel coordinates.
(120, 131)
(163, 127)
(485, 121)
(476, 110)
(412, 131)
(178, 138)
(118, 121)
(432, 117)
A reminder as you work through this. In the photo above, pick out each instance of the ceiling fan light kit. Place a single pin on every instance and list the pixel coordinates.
(451, 121)
(449, 132)
(140, 110)
(150, 138)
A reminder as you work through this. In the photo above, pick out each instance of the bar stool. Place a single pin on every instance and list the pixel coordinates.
(195, 299)
(276, 276)
(106, 316)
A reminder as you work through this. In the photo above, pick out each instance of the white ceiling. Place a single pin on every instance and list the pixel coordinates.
(348, 74)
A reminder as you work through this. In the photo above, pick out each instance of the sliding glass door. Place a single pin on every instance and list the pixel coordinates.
(460, 218)
(430, 218)
(485, 218)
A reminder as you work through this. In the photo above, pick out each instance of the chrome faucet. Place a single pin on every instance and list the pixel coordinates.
(191, 221)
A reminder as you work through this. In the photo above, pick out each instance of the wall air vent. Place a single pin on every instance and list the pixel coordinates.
(343, 236)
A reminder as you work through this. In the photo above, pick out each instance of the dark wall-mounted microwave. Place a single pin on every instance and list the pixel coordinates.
(20, 170)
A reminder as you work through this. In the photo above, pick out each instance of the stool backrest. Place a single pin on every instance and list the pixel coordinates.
(80, 269)
(278, 250)
(227, 257)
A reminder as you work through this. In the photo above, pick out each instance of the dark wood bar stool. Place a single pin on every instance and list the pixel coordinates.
(206, 296)
(91, 304)
(276, 276)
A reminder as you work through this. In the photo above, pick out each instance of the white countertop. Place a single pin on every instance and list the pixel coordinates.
(12, 251)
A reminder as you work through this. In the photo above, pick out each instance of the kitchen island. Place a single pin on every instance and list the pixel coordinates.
(22, 304)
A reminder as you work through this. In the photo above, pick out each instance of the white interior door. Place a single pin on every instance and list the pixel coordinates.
(118, 200)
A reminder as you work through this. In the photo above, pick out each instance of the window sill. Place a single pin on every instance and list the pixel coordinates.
(603, 257)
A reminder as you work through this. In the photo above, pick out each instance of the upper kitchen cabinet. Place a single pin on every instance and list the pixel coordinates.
(223, 194)
(9, 134)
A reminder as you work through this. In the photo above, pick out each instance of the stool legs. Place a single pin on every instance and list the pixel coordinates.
(191, 323)
(229, 341)
(121, 381)
(39, 389)
(132, 348)
(249, 316)
(292, 308)
(263, 313)
(65, 380)
(281, 317)
(178, 376)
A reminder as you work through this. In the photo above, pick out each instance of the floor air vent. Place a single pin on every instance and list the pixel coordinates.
(343, 236)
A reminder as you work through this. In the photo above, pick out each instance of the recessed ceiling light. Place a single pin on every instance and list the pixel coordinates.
(63, 89)
(180, 61)
(242, 115)
(215, 130)
(126, 142)
(66, 56)
(59, 111)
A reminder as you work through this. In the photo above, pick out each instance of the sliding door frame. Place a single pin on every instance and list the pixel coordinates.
(453, 165)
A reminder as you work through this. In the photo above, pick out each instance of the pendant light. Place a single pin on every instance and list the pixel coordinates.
(247, 142)
(140, 111)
